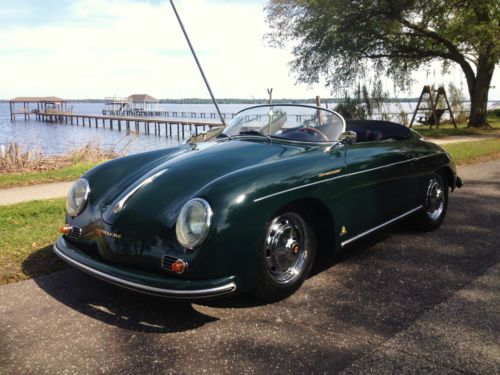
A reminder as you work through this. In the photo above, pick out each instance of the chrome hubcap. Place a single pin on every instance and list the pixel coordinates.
(435, 199)
(287, 244)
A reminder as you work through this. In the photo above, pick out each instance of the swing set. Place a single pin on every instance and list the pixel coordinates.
(427, 107)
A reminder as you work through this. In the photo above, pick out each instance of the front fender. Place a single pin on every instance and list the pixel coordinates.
(245, 201)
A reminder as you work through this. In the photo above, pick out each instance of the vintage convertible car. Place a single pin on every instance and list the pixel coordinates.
(247, 210)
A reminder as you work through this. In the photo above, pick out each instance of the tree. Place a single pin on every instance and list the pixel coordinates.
(342, 39)
(364, 104)
(456, 99)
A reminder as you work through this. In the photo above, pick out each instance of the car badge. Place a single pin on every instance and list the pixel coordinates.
(109, 234)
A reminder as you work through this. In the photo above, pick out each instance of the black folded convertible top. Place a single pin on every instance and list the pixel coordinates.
(377, 130)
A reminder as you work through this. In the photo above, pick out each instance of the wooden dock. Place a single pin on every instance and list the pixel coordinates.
(145, 105)
(175, 125)
(174, 114)
(168, 127)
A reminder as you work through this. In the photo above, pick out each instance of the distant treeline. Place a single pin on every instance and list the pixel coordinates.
(245, 101)
(238, 101)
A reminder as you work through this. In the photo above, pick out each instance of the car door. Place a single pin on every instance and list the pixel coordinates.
(382, 183)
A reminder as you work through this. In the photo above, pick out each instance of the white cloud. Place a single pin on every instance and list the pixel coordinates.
(103, 48)
(121, 47)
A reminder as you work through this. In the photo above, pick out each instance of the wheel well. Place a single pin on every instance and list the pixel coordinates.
(448, 175)
(317, 212)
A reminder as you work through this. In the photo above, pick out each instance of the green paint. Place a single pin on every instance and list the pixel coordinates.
(246, 181)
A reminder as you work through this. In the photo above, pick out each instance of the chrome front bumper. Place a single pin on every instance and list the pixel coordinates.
(149, 284)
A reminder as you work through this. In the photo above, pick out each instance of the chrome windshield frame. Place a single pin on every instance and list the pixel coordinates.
(290, 105)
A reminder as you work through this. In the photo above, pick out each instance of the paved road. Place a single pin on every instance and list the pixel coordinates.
(28, 193)
(400, 302)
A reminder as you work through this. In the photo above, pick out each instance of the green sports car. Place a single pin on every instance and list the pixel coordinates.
(247, 209)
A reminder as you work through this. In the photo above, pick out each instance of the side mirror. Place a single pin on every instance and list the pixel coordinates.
(348, 137)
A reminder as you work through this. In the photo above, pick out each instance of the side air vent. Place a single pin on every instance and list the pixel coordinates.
(167, 261)
(75, 232)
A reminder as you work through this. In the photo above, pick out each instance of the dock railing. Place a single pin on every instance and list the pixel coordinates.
(179, 129)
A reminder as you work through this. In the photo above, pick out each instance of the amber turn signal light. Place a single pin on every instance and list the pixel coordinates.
(179, 266)
(65, 229)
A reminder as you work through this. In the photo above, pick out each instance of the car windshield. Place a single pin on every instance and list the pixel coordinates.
(293, 122)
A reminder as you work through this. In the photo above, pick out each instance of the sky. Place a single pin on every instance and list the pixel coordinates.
(94, 49)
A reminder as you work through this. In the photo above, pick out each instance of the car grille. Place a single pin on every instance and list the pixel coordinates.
(75, 232)
(167, 261)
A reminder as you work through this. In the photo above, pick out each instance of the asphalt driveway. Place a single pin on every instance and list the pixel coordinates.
(399, 302)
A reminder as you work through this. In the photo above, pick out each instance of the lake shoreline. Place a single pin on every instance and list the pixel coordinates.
(57, 138)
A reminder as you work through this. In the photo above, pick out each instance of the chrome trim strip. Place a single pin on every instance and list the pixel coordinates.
(345, 175)
(284, 140)
(172, 293)
(344, 243)
(119, 206)
(290, 105)
(298, 187)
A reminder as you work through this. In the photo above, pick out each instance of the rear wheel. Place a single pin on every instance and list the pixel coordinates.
(435, 204)
(286, 257)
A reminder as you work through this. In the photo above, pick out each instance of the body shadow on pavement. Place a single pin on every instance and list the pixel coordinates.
(120, 307)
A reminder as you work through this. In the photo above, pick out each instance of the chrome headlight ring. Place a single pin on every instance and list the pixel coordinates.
(193, 223)
(77, 197)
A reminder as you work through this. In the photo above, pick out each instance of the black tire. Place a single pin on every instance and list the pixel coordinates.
(286, 257)
(435, 203)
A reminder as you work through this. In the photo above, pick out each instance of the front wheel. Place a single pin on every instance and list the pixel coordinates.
(286, 257)
(435, 204)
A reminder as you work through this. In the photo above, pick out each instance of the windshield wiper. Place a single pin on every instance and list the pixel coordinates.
(256, 132)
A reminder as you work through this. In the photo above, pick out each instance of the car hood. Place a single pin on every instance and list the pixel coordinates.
(162, 187)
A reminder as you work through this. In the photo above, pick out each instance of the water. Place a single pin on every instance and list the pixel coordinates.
(55, 138)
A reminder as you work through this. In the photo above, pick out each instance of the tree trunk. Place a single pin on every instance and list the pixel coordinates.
(479, 93)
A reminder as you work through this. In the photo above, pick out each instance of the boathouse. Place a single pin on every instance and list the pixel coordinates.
(143, 103)
(28, 106)
(114, 106)
(133, 105)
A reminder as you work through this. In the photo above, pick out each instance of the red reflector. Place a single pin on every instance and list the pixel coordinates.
(65, 229)
(179, 266)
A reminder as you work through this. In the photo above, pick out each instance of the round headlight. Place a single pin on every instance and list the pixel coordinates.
(77, 197)
(193, 223)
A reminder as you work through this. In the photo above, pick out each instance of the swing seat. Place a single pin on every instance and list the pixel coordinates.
(428, 119)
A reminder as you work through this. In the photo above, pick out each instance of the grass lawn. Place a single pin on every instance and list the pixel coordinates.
(27, 232)
(68, 173)
(448, 130)
(474, 151)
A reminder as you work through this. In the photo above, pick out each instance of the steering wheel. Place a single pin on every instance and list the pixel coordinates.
(314, 132)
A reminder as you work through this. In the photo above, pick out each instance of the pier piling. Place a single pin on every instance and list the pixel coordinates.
(54, 110)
